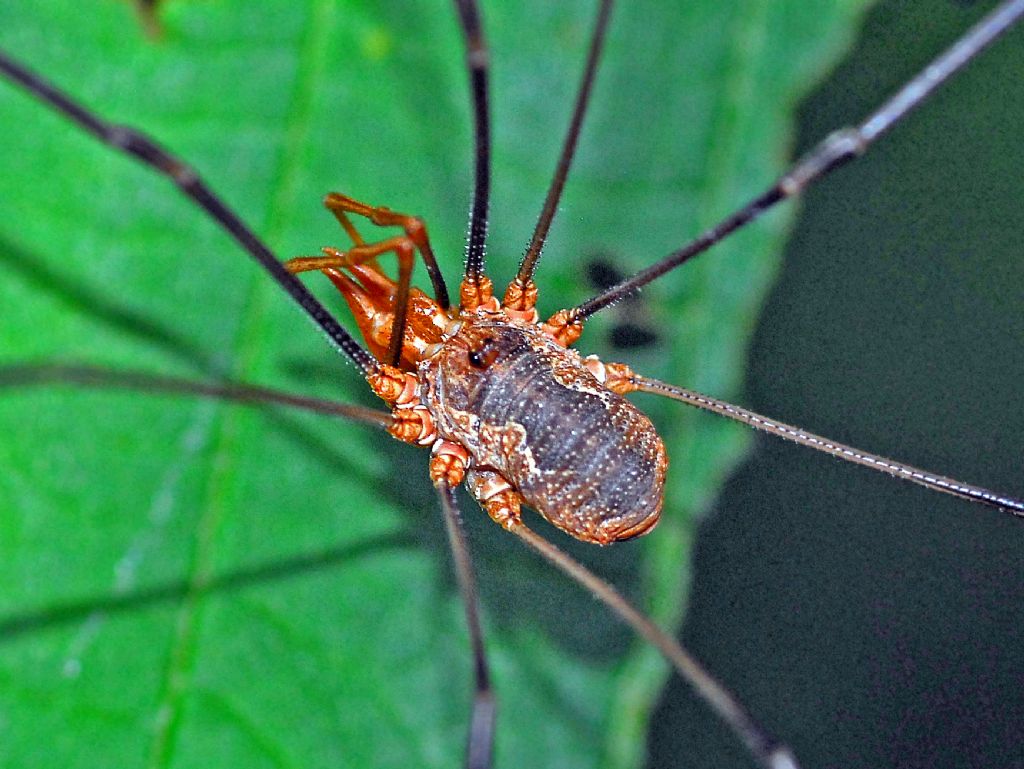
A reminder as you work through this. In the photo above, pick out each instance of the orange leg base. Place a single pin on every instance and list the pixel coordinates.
(448, 468)
(392, 385)
(497, 497)
(619, 378)
(505, 509)
(520, 297)
(476, 294)
(413, 425)
(448, 462)
(562, 329)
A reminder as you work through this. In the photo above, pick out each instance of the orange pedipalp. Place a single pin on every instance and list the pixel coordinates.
(370, 295)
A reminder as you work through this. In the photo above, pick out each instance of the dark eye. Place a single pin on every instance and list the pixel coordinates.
(484, 356)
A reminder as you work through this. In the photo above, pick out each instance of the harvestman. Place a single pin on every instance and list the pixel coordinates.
(499, 394)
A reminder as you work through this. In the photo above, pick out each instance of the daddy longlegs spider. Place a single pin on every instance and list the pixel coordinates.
(201, 570)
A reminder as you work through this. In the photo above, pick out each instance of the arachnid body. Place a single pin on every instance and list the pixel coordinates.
(230, 533)
(578, 453)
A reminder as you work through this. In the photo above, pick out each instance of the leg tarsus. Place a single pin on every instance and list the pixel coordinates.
(480, 743)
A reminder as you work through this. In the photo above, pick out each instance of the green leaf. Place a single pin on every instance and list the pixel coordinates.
(194, 583)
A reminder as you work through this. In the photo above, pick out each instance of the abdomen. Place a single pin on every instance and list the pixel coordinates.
(582, 456)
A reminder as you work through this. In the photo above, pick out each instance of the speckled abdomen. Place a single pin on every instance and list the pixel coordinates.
(578, 453)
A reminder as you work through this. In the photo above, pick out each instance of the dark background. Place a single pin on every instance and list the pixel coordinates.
(886, 633)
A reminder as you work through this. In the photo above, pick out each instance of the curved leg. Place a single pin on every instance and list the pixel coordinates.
(835, 150)
(129, 141)
(764, 749)
(35, 374)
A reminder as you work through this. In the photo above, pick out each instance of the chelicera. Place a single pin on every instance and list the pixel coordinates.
(503, 401)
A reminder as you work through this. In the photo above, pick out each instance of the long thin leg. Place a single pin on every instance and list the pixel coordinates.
(837, 149)
(519, 288)
(136, 144)
(480, 741)
(35, 374)
(933, 481)
(15, 625)
(767, 751)
(474, 280)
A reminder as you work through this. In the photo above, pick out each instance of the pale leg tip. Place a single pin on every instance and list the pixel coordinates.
(781, 758)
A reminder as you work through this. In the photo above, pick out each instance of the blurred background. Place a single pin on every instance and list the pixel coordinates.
(885, 629)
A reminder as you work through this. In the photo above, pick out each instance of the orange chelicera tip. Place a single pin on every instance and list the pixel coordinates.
(370, 295)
